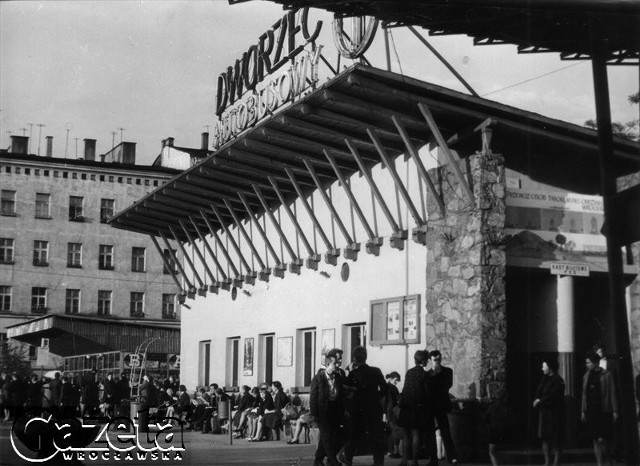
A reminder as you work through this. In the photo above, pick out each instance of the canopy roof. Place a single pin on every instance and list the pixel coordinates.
(74, 335)
(562, 26)
(335, 118)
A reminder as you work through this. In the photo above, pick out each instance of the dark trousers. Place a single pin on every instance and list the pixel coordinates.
(442, 419)
(366, 431)
(330, 435)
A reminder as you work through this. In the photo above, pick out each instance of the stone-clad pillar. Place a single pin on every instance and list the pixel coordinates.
(466, 267)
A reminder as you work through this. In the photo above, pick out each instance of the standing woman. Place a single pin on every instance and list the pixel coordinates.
(599, 407)
(550, 404)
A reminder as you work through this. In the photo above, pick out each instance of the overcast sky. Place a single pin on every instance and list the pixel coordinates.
(151, 68)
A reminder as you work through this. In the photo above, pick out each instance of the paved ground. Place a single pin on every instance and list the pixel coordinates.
(208, 449)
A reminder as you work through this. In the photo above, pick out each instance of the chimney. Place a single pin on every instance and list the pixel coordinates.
(90, 149)
(49, 146)
(170, 142)
(128, 153)
(205, 141)
(19, 144)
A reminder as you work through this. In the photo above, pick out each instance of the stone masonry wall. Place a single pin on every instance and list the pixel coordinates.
(466, 267)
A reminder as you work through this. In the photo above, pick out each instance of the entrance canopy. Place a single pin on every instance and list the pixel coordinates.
(348, 125)
(75, 335)
(562, 26)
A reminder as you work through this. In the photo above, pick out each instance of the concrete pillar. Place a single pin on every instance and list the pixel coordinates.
(566, 323)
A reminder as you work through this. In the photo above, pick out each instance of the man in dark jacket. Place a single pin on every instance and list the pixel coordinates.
(326, 403)
(67, 399)
(440, 380)
(365, 413)
(109, 395)
(90, 393)
(34, 394)
(55, 387)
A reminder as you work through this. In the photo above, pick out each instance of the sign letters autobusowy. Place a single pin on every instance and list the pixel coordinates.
(284, 42)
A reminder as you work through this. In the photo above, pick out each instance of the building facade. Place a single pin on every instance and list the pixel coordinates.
(59, 256)
(383, 211)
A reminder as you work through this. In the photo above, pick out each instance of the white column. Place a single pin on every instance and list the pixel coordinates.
(566, 323)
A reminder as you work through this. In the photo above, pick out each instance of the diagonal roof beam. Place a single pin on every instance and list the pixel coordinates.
(280, 267)
(225, 283)
(294, 266)
(332, 253)
(168, 265)
(413, 152)
(374, 243)
(263, 275)
(214, 282)
(186, 257)
(237, 282)
(351, 251)
(451, 157)
(312, 262)
(398, 236)
(190, 287)
(251, 275)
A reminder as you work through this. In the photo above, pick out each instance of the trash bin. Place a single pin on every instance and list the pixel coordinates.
(463, 429)
(136, 409)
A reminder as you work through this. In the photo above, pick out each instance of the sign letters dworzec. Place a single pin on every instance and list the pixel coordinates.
(284, 42)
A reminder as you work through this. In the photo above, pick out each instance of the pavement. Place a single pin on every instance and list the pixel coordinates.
(209, 449)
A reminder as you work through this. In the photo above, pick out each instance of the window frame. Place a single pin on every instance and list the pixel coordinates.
(39, 301)
(138, 261)
(102, 265)
(76, 212)
(169, 257)
(6, 298)
(7, 248)
(40, 253)
(72, 301)
(106, 211)
(8, 203)
(101, 303)
(376, 319)
(40, 212)
(134, 304)
(74, 258)
(169, 303)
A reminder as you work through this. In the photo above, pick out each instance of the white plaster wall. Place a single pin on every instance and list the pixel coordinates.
(310, 300)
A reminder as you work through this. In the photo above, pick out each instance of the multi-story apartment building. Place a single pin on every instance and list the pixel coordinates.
(59, 257)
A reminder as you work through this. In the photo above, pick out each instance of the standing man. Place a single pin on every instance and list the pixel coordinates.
(365, 415)
(90, 400)
(440, 380)
(55, 387)
(326, 403)
(109, 395)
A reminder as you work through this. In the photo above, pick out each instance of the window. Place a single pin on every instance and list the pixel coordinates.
(137, 304)
(38, 299)
(41, 253)
(5, 298)
(233, 361)
(105, 257)
(266, 354)
(74, 255)
(43, 205)
(353, 335)
(306, 352)
(6, 250)
(72, 302)
(33, 352)
(168, 306)
(395, 321)
(8, 203)
(205, 363)
(137, 259)
(168, 259)
(106, 209)
(75, 208)
(104, 302)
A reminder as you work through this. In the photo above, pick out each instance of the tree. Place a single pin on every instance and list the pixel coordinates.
(629, 130)
(14, 358)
